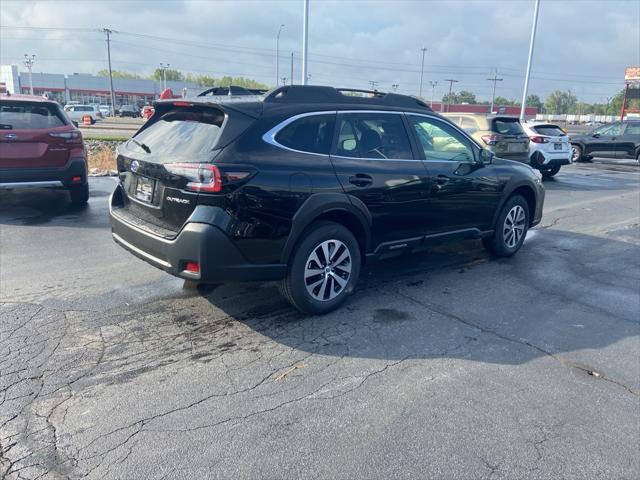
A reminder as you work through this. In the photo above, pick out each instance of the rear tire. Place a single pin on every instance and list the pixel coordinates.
(510, 229)
(80, 194)
(550, 172)
(314, 285)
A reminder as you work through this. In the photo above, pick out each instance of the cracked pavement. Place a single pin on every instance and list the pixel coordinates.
(445, 364)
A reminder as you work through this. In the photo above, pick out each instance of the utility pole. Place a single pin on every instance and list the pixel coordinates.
(291, 76)
(424, 50)
(284, 80)
(305, 41)
(373, 84)
(28, 62)
(531, 44)
(164, 68)
(451, 82)
(278, 53)
(493, 95)
(395, 87)
(433, 87)
(113, 93)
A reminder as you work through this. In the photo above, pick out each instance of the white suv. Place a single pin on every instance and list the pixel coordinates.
(549, 147)
(77, 112)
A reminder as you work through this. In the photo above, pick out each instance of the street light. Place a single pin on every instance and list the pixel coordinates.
(305, 41)
(395, 87)
(433, 87)
(164, 74)
(531, 44)
(278, 53)
(28, 62)
(424, 50)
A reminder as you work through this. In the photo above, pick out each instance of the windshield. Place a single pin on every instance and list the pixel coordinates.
(549, 130)
(29, 116)
(182, 133)
(507, 126)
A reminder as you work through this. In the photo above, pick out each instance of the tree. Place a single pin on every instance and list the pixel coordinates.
(463, 96)
(241, 82)
(560, 102)
(118, 74)
(502, 101)
(171, 75)
(534, 101)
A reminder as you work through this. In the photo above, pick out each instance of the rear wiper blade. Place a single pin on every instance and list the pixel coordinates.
(141, 145)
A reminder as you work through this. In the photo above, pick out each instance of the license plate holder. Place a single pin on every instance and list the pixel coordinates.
(557, 146)
(144, 189)
(515, 147)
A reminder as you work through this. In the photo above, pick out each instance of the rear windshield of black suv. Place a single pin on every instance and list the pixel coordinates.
(17, 115)
(507, 126)
(181, 133)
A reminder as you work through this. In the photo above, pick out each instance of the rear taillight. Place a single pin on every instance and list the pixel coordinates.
(69, 137)
(193, 267)
(491, 139)
(202, 177)
(538, 139)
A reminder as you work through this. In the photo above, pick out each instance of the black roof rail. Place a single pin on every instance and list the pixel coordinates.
(322, 94)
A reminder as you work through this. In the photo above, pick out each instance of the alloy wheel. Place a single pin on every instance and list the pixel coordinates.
(327, 271)
(514, 225)
(575, 156)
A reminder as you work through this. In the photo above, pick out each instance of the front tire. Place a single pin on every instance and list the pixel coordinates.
(511, 228)
(551, 171)
(576, 153)
(323, 269)
(80, 194)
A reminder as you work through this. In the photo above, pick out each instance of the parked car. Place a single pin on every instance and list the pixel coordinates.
(549, 147)
(614, 140)
(129, 111)
(40, 147)
(77, 112)
(106, 110)
(502, 135)
(305, 185)
(147, 112)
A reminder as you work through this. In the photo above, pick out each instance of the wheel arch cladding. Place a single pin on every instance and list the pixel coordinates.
(335, 207)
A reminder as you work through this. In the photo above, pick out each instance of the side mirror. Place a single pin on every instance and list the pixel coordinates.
(486, 156)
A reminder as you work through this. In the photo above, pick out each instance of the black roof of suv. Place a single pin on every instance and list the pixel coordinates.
(304, 184)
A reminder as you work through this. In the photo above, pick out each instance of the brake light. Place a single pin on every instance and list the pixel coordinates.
(182, 104)
(491, 139)
(69, 137)
(202, 177)
(538, 139)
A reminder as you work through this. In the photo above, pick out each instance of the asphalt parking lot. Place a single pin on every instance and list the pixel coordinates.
(446, 364)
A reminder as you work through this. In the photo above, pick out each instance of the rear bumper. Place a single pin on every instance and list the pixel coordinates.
(61, 177)
(543, 160)
(197, 241)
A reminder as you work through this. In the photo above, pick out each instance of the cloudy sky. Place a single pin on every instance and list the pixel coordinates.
(581, 45)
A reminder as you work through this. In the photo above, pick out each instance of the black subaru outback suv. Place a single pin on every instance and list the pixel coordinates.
(305, 184)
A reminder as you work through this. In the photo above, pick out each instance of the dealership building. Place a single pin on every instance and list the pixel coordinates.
(86, 88)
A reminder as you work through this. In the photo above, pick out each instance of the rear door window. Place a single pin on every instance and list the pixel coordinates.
(312, 134)
(633, 129)
(16, 115)
(374, 136)
(507, 126)
(549, 130)
(181, 133)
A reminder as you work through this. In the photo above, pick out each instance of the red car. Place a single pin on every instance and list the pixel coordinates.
(40, 147)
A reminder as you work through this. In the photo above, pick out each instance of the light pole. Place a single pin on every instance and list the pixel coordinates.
(493, 95)
(305, 41)
(424, 50)
(531, 44)
(278, 53)
(433, 88)
(113, 93)
(28, 62)
(164, 67)
(395, 87)
(451, 82)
